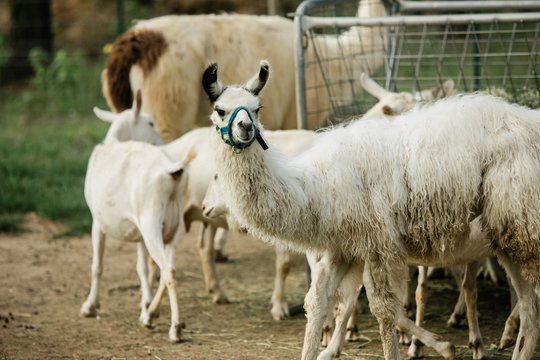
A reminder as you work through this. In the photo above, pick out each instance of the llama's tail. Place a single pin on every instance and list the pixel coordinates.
(142, 47)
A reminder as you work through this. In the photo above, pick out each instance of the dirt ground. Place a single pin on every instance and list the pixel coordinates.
(43, 283)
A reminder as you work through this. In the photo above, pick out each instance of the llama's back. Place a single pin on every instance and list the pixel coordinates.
(430, 171)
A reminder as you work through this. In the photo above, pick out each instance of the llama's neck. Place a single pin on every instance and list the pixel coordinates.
(266, 194)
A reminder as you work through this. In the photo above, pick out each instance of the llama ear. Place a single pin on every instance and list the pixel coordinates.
(257, 83)
(137, 104)
(372, 87)
(210, 83)
(104, 115)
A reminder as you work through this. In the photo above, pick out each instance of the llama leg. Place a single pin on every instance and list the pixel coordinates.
(280, 309)
(219, 245)
(142, 271)
(471, 296)
(416, 350)
(384, 305)
(459, 314)
(206, 251)
(90, 306)
(326, 276)
(528, 311)
(349, 288)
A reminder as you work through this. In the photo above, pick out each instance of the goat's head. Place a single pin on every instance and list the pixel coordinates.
(213, 204)
(130, 124)
(236, 108)
(390, 103)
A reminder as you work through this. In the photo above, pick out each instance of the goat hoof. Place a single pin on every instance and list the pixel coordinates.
(175, 333)
(280, 311)
(506, 343)
(220, 299)
(352, 334)
(219, 257)
(449, 352)
(88, 310)
(415, 351)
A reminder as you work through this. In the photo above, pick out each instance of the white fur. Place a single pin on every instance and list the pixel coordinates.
(379, 191)
(134, 192)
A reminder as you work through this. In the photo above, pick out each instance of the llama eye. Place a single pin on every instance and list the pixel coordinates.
(220, 112)
(151, 124)
(256, 111)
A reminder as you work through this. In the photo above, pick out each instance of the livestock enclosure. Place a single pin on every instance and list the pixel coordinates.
(490, 46)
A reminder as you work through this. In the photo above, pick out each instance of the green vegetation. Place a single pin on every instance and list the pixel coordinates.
(48, 133)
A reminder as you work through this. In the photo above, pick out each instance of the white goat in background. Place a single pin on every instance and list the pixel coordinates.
(387, 192)
(135, 192)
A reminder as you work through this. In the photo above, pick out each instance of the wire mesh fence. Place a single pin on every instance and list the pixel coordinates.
(493, 49)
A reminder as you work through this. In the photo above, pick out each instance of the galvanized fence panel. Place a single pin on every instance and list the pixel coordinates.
(490, 46)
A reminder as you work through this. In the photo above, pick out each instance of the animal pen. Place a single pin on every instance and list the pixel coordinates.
(490, 46)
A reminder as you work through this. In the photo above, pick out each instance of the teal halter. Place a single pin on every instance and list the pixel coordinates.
(227, 130)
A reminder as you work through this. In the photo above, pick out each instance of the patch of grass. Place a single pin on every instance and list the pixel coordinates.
(48, 133)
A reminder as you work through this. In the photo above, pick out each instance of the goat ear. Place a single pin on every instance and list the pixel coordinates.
(211, 84)
(372, 87)
(104, 115)
(137, 104)
(257, 82)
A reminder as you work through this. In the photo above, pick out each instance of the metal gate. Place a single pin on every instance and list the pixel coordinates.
(490, 46)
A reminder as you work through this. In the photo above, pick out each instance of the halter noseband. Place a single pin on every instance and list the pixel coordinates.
(227, 130)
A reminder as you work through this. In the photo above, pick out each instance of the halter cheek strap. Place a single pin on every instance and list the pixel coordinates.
(226, 130)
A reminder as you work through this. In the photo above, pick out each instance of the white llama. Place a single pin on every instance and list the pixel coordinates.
(387, 191)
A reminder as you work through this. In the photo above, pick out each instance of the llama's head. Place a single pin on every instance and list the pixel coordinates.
(236, 108)
(130, 124)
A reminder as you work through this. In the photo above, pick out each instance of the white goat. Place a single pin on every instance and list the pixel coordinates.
(134, 192)
(166, 56)
(387, 192)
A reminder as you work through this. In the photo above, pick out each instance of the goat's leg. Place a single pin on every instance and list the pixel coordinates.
(416, 349)
(280, 308)
(460, 309)
(445, 348)
(528, 310)
(219, 245)
(352, 328)
(143, 272)
(471, 295)
(349, 288)
(163, 255)
(384, 304)
(512, 322)
(90, 306)
(510, 326)
(326, 276)
(206, 251)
